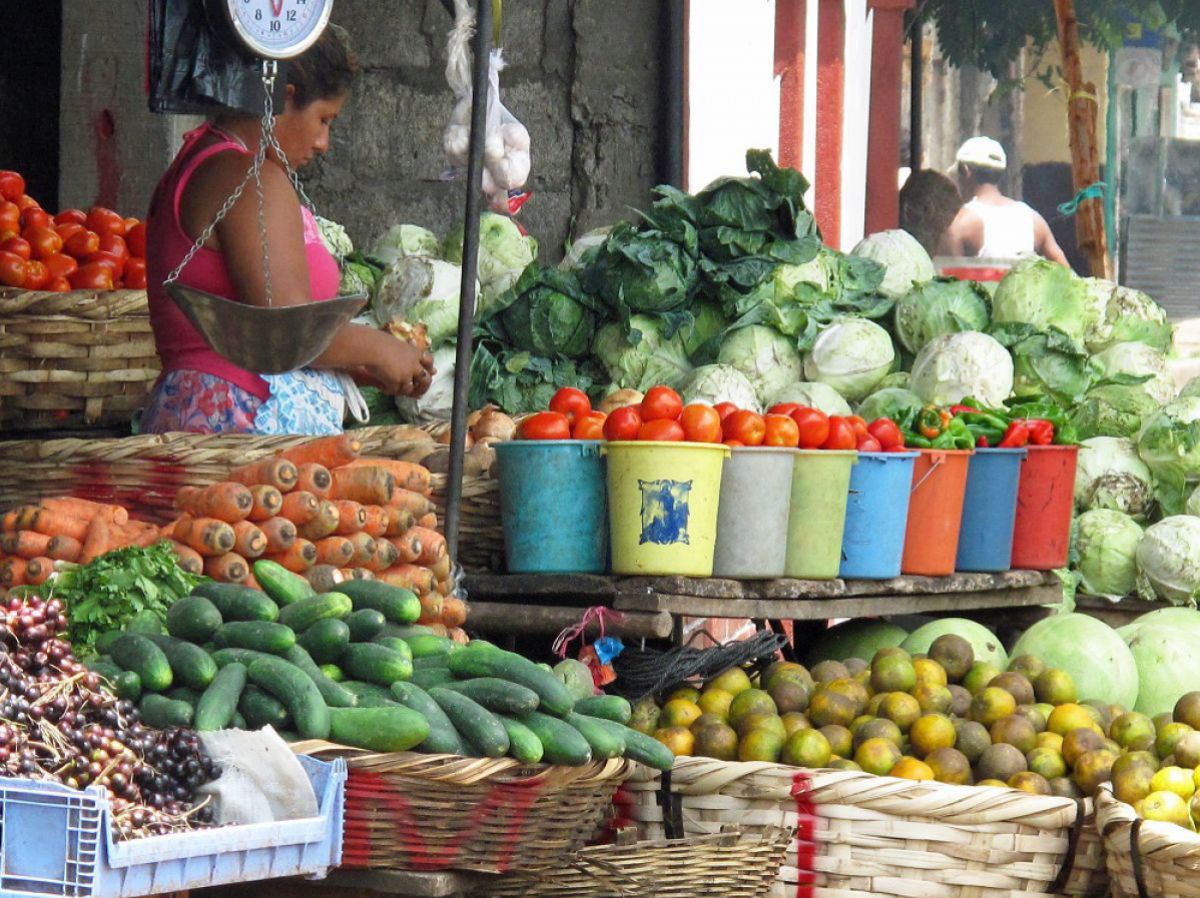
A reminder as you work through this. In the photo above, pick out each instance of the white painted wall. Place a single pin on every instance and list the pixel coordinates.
(856, 127)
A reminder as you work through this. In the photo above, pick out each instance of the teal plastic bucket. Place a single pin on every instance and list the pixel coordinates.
(989, 510)
(553, 505)
(876, 515)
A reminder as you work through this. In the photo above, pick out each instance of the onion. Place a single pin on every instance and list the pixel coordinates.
(619, 399)
(493, 424)
(483, 455)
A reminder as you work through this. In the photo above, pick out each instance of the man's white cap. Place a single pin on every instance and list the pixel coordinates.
(983, 152)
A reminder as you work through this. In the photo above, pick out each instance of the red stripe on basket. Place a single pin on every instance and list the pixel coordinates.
(806, 844)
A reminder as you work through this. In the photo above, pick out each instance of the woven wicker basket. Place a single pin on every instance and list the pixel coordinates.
(1146, 858)
(733, 864)
(83, 358)
(862, 836)
(410, 811)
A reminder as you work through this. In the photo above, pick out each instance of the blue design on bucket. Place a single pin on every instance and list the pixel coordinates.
(665, 511)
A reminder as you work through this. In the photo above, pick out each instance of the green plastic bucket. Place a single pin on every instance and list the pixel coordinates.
(752, 524)
(663, 500)
(820, 487)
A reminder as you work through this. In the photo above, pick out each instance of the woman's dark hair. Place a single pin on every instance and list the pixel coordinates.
(326, 69)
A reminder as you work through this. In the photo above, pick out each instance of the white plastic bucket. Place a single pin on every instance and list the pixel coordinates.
(752, 521)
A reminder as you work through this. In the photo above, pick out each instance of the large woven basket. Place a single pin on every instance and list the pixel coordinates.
(144, 473)
(733, 864)
(82, 358)
(864, 836)
(410, 811)
(1146, 858)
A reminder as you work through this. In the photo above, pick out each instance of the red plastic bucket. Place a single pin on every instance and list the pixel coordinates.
(1045, 503)
(939, 484)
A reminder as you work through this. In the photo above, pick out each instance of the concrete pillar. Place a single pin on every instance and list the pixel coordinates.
(883, 147)
(831, 103)
(790, 32)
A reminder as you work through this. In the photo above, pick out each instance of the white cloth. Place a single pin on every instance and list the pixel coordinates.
(1008, 230)
(261, 781)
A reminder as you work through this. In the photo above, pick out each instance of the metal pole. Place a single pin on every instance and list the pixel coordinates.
(916, 110)
(466, 307)
(673, 21)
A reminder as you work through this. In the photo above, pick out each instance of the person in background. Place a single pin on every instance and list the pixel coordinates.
(929, 203)
(992, 225)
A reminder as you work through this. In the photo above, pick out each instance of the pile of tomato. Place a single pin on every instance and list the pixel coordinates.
(661, 416)
(73, 250)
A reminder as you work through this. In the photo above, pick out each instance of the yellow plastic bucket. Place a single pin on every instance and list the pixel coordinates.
(663, 500)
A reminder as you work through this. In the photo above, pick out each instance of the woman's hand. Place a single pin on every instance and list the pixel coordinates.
(399, 367)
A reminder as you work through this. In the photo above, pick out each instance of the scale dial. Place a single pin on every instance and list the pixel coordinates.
(278, 29)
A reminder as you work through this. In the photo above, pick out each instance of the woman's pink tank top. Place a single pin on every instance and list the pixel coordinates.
(180, 346)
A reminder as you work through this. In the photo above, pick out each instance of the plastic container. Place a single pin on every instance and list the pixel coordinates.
(820, 487)
(935, 512)
(989, 510)
(59, 841)
(1045, 503)
(752, 522)
(663, 500)
(876, 515)
(553, 506)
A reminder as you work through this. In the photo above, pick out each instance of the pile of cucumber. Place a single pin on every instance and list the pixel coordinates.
(351, 666)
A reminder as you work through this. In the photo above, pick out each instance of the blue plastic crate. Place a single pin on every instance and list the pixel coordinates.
(56, 841)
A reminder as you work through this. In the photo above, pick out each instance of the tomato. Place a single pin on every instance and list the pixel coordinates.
(869, 444)
(735, 444)
(105, 221)
(59, 285)
(623, 423)
(12, 270)
(589, 427)
(32, 216)
(93, 277)
(111, 243)
(12, 185)
(725, 409)
(661, 404)
(781, 431)
(783, 408)
(887, 433)
(71, 216)
(571, 402)
(859, 425)
(44, 241)
(135, 279)
(701, 423)
(136, 238)
(10, 217)
(545, 426)
(60, 266)
(18, 246)
(116, 263)
(748, 428)
(841, 435)
(82, 244)
(68, 229)
(36, 275)
(129, 223)
(662, 430)
(813, 425)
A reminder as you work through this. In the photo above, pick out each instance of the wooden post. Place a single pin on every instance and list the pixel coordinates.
(883, 140)
(1082, 115)
(831, 104)
(790, 21)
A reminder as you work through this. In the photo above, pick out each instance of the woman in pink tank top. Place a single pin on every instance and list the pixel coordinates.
(199, 391)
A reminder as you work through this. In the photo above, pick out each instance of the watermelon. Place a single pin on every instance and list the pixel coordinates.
(1185, 617)
(985, 643)
(854, 639)
(1091, 651)
(1167, 655)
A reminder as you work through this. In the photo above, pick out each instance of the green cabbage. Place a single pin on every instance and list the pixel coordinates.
(1132, 316)
(814, 395)
(1169, 444)
(641, 271)
(937, 307)
(504, 253)
(420, 290)
(890, 402)
(1168, 559)
(702, 335)
(583, 245)
(954, 366)
(1046, 363)
(769, 360)
(1103, 550)
(1114, 410)
(906, 261)
(545, 313)
(641, 357)
(852, 355)
(401, 240)
(711, 384)
(1134, 360)
(335, 238)
(1044, 295)
(1110, 475)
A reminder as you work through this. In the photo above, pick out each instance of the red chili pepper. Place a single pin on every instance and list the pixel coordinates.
(963, 410)
(1016, 436)
(1041, 431)
(982, 443)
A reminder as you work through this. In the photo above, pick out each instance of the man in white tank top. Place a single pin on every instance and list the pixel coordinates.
(992, 225)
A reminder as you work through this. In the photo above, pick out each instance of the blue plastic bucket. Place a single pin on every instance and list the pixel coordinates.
(553, 506)
(989, 510)
(876, 515)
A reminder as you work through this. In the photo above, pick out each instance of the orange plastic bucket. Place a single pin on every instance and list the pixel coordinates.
(1045, 503)
(935, 512)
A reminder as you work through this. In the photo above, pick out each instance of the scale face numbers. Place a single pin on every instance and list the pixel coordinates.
(279, 29)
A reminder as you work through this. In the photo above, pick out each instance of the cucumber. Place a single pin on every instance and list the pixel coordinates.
(303, 614)
(443, 738)
(260, 709)
(399, 646)
(376, 663)
(430, 661)
(369, 695)
(563, 743)
(161, 712)
(432, 676)
(106, 640)
(274, 639)
(144, 658)
(365, 624)
(646, 750)
(190, 665)
(193, 618)
(297, 691)
(471, 662)
(334, 695)
(128, 686)
(378, 729)
(145, 622)
(237, 656)
(605, 743)
(238, 722)
(606, 707)
(219, 702)
(334, 672)
(523, 744)
(429, 646)
(498, 696)
(325, 640)
(403, 631)
(281, 584)
(400, 606)
(184, 694)
(478, 726)
(106, 669)
(236, 602)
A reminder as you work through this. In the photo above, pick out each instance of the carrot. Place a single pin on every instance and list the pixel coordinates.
(135, 533)
(332, 452)
(428, 520)
(251, 582)
(12, 572)
(352, 516)
(445, 587)
(229, 502)
(280, 534)
(409, 576)
(335, 550)
(385, 556)
(249, 540)
(375, 520)
(63, 548)
(442, 567)
(324, 578)
(267, 502)
(409, 475)
(459, 636)
(228, 568)
(24, 517)
(85, 507)
(409, 501)
(25, 543)
(189, 559)
(207, 536)
(38, 570)
(369, 485)
(408, 547)
(97, 539)
(300, 507)
(323, 525)
(361, 573)
(54, 523)
(399, 522)
(432, 604)
(454, 612)
(8, 521)
(298, 559)
(315, 479)
(364, 547)
(277, 472)
(433, 545)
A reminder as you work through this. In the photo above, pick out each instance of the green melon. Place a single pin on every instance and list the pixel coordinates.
(1168, 660)
(1185, 617)
(1091, 651)
(985, 643)
(854, 639)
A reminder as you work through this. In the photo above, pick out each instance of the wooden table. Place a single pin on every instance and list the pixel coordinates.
(352, 884)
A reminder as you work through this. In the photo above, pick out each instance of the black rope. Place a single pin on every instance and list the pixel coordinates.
(1135, 856)
(642, 672)
(1068, 864)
